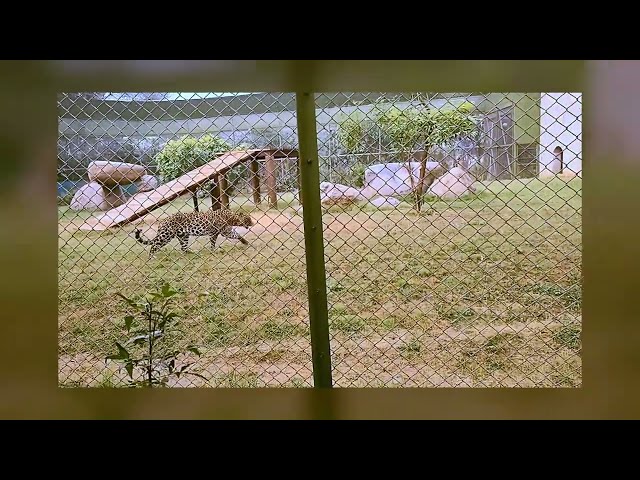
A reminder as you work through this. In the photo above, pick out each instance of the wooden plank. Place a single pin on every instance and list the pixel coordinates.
(142, 203)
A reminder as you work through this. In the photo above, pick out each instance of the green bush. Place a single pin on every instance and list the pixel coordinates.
(150, 351)
(355, 177)
(183, 155)
(351, 131)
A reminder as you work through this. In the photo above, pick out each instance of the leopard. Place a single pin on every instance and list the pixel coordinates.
(183, 225)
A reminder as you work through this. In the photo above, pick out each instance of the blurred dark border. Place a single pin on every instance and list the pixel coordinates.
(28, 237)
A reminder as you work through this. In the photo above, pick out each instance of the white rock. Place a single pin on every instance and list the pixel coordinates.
(393, 178)
(115, 173)
(147, 183)
(382, 202)
(335, 190)
(94, 196)
(453, 184)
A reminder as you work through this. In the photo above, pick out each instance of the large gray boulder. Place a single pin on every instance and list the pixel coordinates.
(147, 183)
(115, 173)
(94, 196)
(456, 183)
(332, 192)
(385, 202)
(388, 179)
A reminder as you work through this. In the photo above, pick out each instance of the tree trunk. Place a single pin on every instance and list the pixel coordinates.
(423, 175)
(407, 165)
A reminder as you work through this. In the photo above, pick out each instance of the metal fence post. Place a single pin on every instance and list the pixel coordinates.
(314, 246)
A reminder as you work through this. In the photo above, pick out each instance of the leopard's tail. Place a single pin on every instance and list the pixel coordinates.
(142, 240)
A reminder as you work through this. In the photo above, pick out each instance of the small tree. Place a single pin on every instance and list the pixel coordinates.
(411, 129)
(352, 135)
(184, 154)
(423, 128)
(149, 351)
(351, 132)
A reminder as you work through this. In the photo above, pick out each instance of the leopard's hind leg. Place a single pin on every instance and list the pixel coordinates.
(162, 239)
(183, 238)
(213, 237)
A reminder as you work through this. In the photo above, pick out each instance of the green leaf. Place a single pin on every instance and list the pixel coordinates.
(128, 300)
(129, 368)
(194, 349)
(168, 292)
(128, 321)
(122, 354)
(168, 355)
(197, 375)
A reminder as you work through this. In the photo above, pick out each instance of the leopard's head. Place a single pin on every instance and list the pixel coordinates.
(242, 219)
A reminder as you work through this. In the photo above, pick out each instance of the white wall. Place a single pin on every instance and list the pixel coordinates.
(560, 126)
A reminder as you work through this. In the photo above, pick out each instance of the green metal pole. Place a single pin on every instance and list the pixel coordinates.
(314, 242)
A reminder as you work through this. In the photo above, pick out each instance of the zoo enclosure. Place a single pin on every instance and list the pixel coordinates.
(509, 144)
(104, 127)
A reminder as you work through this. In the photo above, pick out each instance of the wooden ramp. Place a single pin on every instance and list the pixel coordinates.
(142, 203)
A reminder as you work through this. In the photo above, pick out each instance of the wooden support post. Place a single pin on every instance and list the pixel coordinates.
(271, 180)
(215, 194)
(255, 181)
(224, 197)
(195, 201)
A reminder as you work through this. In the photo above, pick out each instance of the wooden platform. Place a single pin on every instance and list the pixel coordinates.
(142, 203)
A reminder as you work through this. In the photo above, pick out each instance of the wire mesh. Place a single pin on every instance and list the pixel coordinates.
(452, 229)
(453, 240)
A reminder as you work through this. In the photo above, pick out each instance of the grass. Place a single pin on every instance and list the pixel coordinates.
(484, 358)
(569, 336)
(415, 300)
(347, 324)
(411, 349)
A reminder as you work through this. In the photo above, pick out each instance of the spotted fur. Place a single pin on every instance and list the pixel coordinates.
(211, 223)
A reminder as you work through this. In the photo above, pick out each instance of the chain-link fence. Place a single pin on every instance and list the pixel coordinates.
(451, 225)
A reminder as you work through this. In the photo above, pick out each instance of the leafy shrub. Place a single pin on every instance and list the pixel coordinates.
(355, 176)
(147, 351)
(184, 154)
